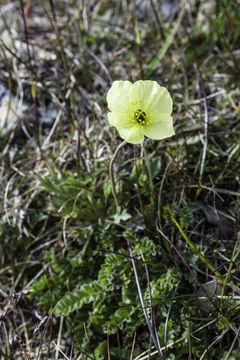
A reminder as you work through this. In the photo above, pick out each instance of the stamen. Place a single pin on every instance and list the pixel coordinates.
(140, 116)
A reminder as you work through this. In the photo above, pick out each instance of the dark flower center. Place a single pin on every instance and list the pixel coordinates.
(140, 116)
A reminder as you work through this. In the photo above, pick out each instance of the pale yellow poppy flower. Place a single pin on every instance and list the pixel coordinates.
(140, 109)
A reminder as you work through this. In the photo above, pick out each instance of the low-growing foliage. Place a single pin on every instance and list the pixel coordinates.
(71, 261)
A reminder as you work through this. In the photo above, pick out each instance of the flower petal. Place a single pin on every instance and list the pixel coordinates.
(143, 90)
(151, 93)
(162, 102)
(160, 128)
(119, 120)
(133, 135)
(117, 96)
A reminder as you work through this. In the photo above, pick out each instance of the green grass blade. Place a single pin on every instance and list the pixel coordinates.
(169, 40)
(193, 247)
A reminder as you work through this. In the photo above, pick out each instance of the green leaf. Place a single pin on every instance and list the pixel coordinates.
(75, 300)
(155, 166)
(48, 185)
(117, 320)
(100, 352)
(121, 215)
(107, 189)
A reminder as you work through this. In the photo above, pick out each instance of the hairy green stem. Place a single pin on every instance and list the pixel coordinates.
(137, 178)
(111, 171)
(153, 335)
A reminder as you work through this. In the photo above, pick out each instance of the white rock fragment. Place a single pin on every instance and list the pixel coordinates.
(11, 111)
